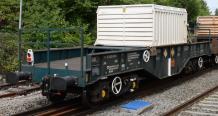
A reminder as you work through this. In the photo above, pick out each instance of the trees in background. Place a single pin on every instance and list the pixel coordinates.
(8, 35)
(9, 15)
(67, 13)
(8, 52)
(194, 8)
(84, 11)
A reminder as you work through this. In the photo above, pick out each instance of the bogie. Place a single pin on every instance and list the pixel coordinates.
(111, 87)
(197, 64)
(58, 97)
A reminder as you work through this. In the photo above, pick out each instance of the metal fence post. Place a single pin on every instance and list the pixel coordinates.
(81, 54)
(19, 50)
(48, 52)
(20, 32)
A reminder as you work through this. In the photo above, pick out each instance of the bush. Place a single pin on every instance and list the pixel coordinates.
(8, 52)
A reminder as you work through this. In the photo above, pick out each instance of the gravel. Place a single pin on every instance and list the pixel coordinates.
(206, 105)
(167, 99)
(13, 105)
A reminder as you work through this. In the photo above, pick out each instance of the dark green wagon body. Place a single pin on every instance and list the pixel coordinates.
(104, 62)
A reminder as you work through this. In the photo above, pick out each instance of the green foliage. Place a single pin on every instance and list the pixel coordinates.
(9, 15)
(85, 10)
(68, 13)
(195, 8)
(43, 14)
(8, 52)
(8, 24)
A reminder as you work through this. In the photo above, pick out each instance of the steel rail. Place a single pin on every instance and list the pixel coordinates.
(190, 102)
(4, 85)
(56, 109)
(22, 92)
(62, 110)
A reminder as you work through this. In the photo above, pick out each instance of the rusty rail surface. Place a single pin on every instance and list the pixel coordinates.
(62, 111)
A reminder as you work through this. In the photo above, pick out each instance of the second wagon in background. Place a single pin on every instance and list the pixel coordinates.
(207, 27)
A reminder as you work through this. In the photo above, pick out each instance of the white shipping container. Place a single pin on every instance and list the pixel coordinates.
(141, 25)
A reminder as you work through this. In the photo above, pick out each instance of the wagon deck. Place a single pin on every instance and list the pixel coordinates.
(73, 64)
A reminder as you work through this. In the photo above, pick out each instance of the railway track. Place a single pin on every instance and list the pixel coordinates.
(59, 109)
(204, 104)
(6, 85)
(20, 92)
(75, 108)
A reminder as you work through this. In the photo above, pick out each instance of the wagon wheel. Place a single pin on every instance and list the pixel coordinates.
(216, 59)
(146, 56)
(200, 62)
(116, 85)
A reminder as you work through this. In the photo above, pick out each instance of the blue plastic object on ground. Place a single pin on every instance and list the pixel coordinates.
(135, 105)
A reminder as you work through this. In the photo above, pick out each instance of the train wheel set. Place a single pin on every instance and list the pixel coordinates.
(112, 87)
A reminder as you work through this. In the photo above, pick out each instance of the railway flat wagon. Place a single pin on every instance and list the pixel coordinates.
(133, 43)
